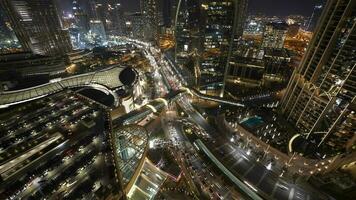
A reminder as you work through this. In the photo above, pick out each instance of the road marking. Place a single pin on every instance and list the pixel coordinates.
(274, 188)
(291, 194)
(262, 177)
(238, 161)
(249, 169)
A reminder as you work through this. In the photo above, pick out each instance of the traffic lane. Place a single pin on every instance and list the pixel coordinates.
(268, 183)
(175, 135)
(255, 174)
(283, 190)
(7, 166)
(196, 117)
(56, 172)
(203, 176)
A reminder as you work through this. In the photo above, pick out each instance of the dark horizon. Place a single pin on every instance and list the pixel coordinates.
(266, 7)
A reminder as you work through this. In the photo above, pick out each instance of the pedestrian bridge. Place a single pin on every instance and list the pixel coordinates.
(109, 78)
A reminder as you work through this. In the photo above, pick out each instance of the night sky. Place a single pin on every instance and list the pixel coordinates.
(282, 7)
(268, 7)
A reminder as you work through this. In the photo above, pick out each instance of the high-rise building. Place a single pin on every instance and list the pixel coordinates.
(117, 18)
(187, 27)
(101, 11)
(223, 23)
(81, 18)
(37, 26)
(320, 98)
(150, 12)
(168, 10)
(98, 30)
(91, 9)
(274, 35)
(110, 13)
(135, 23)
(318, 9)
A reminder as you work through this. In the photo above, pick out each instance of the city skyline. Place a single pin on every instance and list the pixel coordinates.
(267, 7)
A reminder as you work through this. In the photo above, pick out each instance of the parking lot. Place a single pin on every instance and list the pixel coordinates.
(55, 148)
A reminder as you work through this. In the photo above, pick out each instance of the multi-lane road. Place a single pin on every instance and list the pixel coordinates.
(242, 163)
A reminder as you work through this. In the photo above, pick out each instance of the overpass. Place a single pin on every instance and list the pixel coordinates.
(107, 78)
(154, 106)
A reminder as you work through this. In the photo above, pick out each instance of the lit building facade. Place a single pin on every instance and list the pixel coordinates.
(274, 35)
(223, 23)
(37, 26)
(169, 8)
(187, 29)
(255, 67)
(318, 9)
(150, 11)
(98, 30)
(135, 25)
(254, 27)
(81, 18)
(320, 98)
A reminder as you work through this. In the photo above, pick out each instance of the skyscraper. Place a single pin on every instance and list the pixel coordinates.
(274, 35)
(98, 29)
(37, 26)
(101, 10)
(318, 8)
(81, 18)
(135, 23)
(168, 8)
(150, 12)
(187, 27)
(320, 98)
(117, 19)
(222, 25)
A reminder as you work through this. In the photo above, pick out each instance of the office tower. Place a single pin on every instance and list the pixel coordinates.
(97, 28)
(81, 18)
(223, 23)
(37, 26)
(91, 4)
(135, 23)
(320, 98)
(168, 11)
(274, 35)
(101, 10)
(117, 19)
(151, 14)
(187, 27)
(318, 9)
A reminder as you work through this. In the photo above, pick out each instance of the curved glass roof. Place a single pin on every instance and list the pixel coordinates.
(130, 143)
